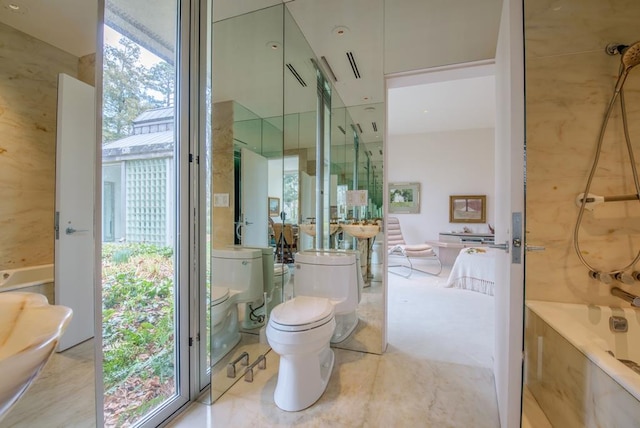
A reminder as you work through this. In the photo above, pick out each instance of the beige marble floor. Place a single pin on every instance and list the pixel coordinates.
(436, 371)
(63, 395)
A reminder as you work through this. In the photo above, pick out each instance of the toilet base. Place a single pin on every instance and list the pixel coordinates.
(295, 392)
(345, 324)
(224, 335)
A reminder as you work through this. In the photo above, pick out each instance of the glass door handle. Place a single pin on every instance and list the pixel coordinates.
(70, 230)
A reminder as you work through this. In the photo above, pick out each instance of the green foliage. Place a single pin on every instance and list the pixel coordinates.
(138, 313)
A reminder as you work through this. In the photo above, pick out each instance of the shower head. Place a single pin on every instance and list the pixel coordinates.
(631, 56)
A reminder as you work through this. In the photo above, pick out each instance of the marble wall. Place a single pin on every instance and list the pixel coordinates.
(28, 100)
(223, 174)
(571, 390)
(569, 83)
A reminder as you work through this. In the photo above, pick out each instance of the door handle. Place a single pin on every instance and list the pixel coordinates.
(70, 230)
(503, 247)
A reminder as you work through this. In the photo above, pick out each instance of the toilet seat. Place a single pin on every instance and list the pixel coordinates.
(219, 295)
(302, 313)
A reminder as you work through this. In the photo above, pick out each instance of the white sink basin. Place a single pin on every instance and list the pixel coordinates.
(310, 229)
(361, 231)
(29, 332)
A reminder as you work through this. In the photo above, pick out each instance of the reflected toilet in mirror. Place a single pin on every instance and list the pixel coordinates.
(238, 279)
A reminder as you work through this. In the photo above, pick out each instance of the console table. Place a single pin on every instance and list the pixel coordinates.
(450, 244)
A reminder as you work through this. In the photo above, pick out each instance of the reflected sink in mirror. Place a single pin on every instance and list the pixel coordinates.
(310, 229)
(361, 231)
(30, 329)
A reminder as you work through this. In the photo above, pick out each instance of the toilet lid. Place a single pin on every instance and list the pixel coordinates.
(219, 295)
(301, 313)
(236, 253)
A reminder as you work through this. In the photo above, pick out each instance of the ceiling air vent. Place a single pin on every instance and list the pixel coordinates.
(374, 126)
(296, 75)
(326, 64)
(354, 66)
(359, 128)
(342, 129)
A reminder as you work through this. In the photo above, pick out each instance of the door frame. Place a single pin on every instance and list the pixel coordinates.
(509, 305)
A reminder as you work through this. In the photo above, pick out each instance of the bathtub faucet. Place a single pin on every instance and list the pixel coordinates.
(627, 297)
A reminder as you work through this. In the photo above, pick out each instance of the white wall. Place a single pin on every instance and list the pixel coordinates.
(275, 179)
(444, 163)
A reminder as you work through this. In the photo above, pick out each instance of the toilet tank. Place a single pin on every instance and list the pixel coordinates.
(359, 276)
(267, 266)
(240, 270)
(332, 275)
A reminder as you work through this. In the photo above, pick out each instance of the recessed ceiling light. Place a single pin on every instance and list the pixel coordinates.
(369, 109)
(14, 7)
(273, 45)
(340, 31)
(425, 111)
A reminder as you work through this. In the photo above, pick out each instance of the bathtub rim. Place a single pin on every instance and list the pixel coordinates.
(588, 344)
(45, 279)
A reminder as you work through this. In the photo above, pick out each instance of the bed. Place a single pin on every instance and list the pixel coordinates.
(475, 270)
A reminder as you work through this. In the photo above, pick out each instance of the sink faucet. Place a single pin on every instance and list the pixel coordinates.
(627, 297)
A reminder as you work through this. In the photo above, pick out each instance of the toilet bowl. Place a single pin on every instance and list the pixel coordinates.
(300, 329)
(237, 278)
(224, 324)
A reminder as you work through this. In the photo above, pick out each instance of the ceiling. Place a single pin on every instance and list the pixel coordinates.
(415, 34)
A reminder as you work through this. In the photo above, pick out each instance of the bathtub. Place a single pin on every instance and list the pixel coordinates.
(14, 279)
(569, 367)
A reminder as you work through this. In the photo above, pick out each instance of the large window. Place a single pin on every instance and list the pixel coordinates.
(145, 252)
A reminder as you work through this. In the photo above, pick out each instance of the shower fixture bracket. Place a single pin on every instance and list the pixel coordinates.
(615, 48)
(593, 200)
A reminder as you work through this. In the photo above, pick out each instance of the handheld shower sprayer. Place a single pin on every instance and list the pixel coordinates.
(630, 57)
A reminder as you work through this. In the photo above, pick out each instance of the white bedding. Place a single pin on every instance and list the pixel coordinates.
(474, 269)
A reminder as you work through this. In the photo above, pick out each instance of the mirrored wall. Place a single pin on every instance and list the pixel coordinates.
(267, 171)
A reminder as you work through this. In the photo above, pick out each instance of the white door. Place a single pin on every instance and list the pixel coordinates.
(510, 134)
(75, 172)
(254, 207)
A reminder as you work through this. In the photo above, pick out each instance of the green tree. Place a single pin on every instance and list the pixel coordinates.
(124, 89)
(160, 78)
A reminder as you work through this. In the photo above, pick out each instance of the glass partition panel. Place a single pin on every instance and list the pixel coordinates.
(300, 129)
(247, 177)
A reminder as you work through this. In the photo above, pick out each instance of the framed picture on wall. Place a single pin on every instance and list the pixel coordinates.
(467, 208)
(274, 207)
(404, 198)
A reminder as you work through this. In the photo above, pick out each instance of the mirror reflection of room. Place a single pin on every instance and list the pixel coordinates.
(294, 172)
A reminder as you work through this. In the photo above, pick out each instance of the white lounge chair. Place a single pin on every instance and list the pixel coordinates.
(398, 248)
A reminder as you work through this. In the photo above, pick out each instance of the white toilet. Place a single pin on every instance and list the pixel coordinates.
(237, 278)
(299, 330)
